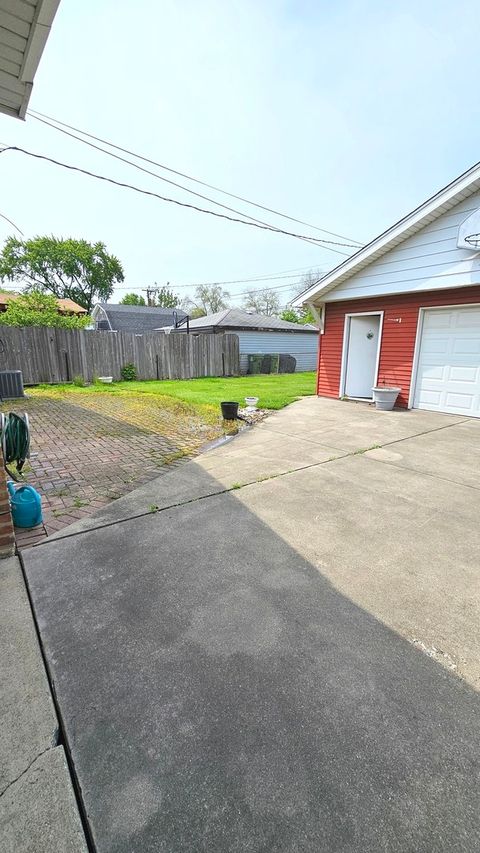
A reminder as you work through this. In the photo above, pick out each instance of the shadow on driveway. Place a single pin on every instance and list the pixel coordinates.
(218, 694)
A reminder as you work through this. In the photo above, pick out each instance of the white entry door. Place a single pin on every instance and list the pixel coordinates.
(448, 372)
(362, 342)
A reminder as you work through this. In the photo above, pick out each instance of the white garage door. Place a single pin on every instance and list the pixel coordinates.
(448, 374)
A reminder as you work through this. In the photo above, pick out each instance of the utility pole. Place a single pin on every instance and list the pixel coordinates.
(151, 292)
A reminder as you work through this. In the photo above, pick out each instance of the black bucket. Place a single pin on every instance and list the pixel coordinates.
(229, 411)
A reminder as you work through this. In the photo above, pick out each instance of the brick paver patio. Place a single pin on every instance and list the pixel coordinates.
(89, 452)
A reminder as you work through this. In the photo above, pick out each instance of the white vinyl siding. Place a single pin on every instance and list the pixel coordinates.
(301, 345)
(429, 260)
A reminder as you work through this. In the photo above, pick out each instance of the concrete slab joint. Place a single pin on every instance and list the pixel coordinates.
(297, 616)
(38, 810)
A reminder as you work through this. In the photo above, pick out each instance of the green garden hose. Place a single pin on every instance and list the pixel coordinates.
(15, 437)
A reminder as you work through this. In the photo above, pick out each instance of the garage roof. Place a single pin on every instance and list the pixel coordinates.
(462, 187)
(24, 29)
(236, 318)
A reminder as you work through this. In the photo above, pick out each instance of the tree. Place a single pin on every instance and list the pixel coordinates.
(166, 298)
(40, 309)
(308, 280)
(307, 316)
(69, 269)
(208, 298)
(264, 301)
(290, 315)
(132, 299)
(195, 313)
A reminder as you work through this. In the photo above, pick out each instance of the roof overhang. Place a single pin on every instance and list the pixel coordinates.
(462, 187)
(24, 29)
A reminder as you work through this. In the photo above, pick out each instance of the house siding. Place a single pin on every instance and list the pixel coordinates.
(427, 260)
(399, 332)
(302, 346)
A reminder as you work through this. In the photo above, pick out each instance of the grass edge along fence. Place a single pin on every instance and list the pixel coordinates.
(58, 355)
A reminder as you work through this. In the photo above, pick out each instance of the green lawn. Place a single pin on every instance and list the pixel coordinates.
(274, 391)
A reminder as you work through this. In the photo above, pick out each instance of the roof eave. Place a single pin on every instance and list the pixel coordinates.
(39, 31)
(462, 187)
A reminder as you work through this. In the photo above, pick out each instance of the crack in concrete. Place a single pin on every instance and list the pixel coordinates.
(27, 768)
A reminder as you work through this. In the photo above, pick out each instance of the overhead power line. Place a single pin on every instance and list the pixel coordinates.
(296, 272)
(241, 280)
(262, 289)
(133, 287)
(182, 187)
(132, 187)
(2, 215)
(38, 115)
(174, 287)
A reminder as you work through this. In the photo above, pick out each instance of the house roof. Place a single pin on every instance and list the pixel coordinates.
(65, 306)
(24, 29)
(461, 188)
(70, 306)
(137, 318)
(236, 318)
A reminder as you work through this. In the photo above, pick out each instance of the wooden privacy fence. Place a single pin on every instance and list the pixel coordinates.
(58, 355)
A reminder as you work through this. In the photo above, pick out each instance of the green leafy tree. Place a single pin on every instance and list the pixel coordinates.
(132, 299)
(306, 316)
(69, 269)
(40, 309)
(166, 298)
(208, 298)
(290, 315)
(195, 313)
(264, 301)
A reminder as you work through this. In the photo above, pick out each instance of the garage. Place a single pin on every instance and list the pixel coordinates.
(422, 276)
(448, 365)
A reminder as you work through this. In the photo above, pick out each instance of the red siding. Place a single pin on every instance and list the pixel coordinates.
(398, 339)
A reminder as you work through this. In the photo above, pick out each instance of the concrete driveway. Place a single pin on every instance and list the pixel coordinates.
(275, 647)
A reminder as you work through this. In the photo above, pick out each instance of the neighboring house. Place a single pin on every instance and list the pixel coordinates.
(24, 29)
(405, 309)
(261, 335)
(65, 306)
(133, 318)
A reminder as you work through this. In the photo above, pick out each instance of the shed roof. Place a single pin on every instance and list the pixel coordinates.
(461, 188)
(24, 29)
(236, 318)
(138, 318)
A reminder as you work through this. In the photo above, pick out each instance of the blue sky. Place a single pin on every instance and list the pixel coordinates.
(346, 115)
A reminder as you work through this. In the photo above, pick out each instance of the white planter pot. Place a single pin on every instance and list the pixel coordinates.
(385, 397)
(105, 379)
(251, 403)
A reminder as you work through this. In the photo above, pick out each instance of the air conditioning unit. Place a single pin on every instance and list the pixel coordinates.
(11, 384)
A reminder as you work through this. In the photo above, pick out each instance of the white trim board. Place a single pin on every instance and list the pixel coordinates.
(346, 335)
